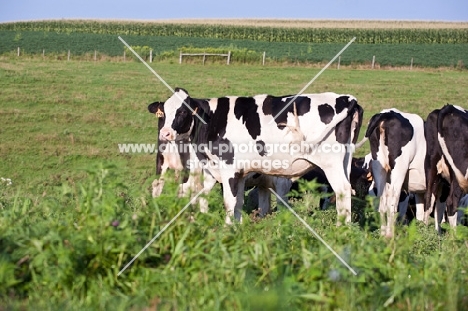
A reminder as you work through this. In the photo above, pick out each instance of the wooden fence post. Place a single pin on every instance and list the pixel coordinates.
(204, 56)
(411, 65)
(94, 55)
(151, 56)
(180, 57)
(18, 51)
(339, 60)
(43, 53)
(263, 58)
(373, 61)
(68, 58)
(124, 55)
(229, 58)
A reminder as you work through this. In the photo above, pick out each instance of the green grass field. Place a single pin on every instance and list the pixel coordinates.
(78, 210)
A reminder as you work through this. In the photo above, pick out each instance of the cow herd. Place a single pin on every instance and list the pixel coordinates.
(272, 141)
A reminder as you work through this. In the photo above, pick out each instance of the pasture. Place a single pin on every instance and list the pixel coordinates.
(78, 210)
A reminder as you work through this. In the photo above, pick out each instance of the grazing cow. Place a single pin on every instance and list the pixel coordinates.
(447, 159)
(360, 179)
(262, 134)
(398, 150)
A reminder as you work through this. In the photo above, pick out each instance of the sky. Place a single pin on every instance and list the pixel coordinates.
(423, 10)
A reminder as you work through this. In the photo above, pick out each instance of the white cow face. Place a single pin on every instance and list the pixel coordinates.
(178, 119)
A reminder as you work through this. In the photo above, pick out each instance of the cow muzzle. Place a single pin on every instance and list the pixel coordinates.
(167, 134)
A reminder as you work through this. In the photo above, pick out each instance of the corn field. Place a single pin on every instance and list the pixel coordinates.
(266, 34)
(431, 47)
(84, 46)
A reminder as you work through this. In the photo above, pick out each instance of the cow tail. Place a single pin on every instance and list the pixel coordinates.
(357, 122)
(373, 123)
(443, 112)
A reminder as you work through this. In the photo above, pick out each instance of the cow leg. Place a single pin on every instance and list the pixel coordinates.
(388, 200)
(388, 206)
(439, 214)
(193, 184)
(252, 201)
(452, 202)
(233, 193)
(391, 198)
(429, 206)
(158, 184)
(403, 207)
(419, 199)
(208, 183)
(461, 216)
(441, 194)
(264, 201)
(342, 188)
(279, 184)
(431, 195)
(380, 178)
(324, 200)
(282, 187)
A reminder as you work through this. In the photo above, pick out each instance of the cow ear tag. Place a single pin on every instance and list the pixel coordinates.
(159, 113)
(369, 176)
(195, 111)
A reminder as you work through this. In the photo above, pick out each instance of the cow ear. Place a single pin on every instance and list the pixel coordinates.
(201, 105)
(153, 107)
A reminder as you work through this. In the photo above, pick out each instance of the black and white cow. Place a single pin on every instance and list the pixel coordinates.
(175, 155)
(437, 172)
(398, 151)
(262, 134)
(170, 155)
(447, 160)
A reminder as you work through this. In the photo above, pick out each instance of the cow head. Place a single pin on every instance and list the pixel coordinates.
(361, 176)
(178, 116)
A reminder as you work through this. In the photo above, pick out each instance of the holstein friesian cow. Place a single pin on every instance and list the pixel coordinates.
(175, 155)
(263, 134)
(170, 155)
(447, 160)
(437, 173)
(398, 150)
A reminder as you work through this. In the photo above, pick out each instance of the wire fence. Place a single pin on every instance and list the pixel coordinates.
(211, 58)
